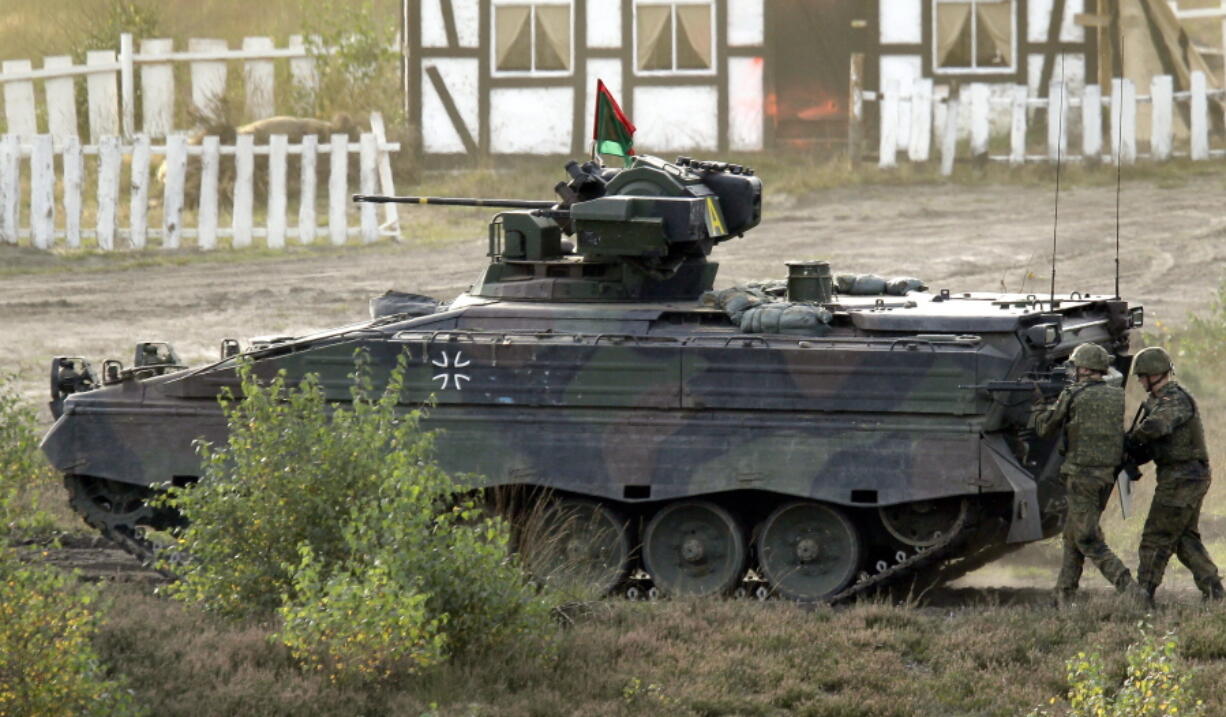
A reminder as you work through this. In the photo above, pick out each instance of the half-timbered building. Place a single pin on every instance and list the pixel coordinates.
(517, 76)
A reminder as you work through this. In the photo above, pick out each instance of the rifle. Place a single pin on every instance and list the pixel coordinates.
(1136, 454)
(1048, 383)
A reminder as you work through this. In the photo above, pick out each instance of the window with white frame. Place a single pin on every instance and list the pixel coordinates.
(674, 37)
(532, 37)
(974, 36)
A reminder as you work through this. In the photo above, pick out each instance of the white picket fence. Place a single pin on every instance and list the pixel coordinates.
(51, 220)
(111, 85)
(931, 120)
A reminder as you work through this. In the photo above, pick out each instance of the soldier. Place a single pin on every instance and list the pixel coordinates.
(1091, 414)
(1170, 431)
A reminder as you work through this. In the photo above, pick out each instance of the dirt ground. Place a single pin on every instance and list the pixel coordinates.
(960, 238)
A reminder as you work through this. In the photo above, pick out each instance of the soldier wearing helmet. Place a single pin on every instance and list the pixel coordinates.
(1091, 415)
(1169, 429)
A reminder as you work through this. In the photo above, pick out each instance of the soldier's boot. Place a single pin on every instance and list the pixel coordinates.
(1139, 597)
(1148, 592)
(1132, 592)
(1214, 592)
(1063, 598)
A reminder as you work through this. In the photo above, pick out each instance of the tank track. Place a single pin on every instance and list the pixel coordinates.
(972, 543)
(955, 555)
(948, 557)
(89, 498)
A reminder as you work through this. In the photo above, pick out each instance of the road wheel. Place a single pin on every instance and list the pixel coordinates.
(576, 545)
(694, 548)
(808, 551)
(923, 523)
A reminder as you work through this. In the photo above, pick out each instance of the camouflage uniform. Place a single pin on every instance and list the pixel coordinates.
(1092, 415)
(1173, 432)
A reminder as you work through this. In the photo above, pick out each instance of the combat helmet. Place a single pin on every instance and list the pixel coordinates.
(1151, 361)
(1091, 356)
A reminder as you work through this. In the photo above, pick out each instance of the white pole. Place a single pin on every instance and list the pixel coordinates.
(10, 187)
(1200, 117)
(19, 107)
(338, 182)
(244, 168)
(206, 217)
(42, 191)
(980, 126)
(103, 94)
(138, 201)
(1161, 129)
(127, 82)
(306, 186)
(888, 106)
(61, 99)
(108, 191)
(73, 171)
(367, 181)
(1092, 123)
(172, 201)
(277, 152)
(949, 142)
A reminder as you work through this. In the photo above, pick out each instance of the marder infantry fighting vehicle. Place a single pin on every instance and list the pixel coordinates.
(814, 445)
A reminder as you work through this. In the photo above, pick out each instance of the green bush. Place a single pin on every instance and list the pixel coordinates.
(23, 471)
(1156, 682)
(288, 477)
(48, 665)
(356, 61)
(340, 517)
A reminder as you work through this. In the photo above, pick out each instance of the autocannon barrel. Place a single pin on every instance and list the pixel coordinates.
(457, 201)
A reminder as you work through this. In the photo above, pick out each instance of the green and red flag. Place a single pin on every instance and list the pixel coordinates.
(612, 130)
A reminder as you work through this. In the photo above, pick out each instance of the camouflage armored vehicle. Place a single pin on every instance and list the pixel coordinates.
(798, 438)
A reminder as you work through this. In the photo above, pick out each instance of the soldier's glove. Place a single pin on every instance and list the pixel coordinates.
(1136, 452)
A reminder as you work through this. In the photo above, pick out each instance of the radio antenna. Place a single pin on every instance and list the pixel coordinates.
(1119, 159)
(1055, 219)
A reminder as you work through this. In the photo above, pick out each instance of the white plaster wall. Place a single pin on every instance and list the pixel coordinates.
(745, 126)
(901, 21)
(460, 77)
(746, 19)
(604, 24)
(609, 70)
(1074, 72)
(906, 69)
(434, 32)
(1039, 17)
(676, 118)
(536, 120)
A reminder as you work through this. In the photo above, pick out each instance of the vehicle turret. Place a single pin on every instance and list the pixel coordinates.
(642, 233)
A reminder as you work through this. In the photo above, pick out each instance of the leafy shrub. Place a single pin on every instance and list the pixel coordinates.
(47, 662)
(356, 60)
(288, 477)
(23, 472)
(1155, 682)
(340, 517)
